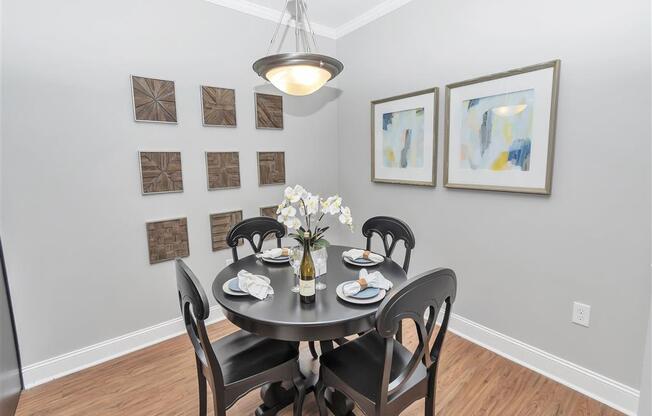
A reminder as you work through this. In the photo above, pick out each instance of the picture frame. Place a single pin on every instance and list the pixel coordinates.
(218, 106)
(269, 111)
(499, 132)
(160, 171)
(404, 138)
(153, 100)
(222, 170)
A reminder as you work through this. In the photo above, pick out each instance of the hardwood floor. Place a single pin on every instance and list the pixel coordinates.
(161, 380)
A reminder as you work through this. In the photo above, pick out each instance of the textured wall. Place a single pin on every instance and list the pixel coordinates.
(74, 217)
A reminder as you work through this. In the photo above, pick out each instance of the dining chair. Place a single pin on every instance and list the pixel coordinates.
(391, 230)
(237, 363)
(379, 374)
(252, 227)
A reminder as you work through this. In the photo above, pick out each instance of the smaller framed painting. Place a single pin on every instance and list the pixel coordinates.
(500, 130)
(404, 138)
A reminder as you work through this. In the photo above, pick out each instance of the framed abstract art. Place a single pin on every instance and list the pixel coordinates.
(500, 130)
(404, 138)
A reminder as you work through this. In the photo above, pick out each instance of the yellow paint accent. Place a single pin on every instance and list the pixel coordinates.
(389, 155)
(501, 161)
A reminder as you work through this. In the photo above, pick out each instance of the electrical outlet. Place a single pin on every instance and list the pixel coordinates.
(581, 314)
(228, 262)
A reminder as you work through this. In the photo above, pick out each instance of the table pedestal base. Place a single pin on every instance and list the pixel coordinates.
(277, 396)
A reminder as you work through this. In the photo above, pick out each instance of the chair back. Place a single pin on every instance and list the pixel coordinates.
(427, 292)
(252, 227)
(194, 310)
(391, 230)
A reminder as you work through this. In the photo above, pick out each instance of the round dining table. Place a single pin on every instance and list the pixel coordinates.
(282, 316)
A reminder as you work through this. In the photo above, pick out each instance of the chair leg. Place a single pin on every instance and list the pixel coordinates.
(399, 333)
(299, 395)
(217, 409)
(430, 398)
(201, 380)
(320, 394)
(313, 351)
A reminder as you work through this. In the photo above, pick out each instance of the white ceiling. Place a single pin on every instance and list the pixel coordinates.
(333, 13)
(331, 18)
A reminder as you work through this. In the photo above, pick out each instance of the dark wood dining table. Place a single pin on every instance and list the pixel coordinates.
(282, 316)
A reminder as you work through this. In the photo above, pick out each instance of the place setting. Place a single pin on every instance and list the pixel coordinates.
(362, 258)
(368, 288)
(275, 255)
(249, 284)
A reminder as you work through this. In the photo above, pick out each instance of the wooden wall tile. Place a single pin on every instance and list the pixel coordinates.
(221, 224)
(154, 100)
(271, 168)
(269, 111)
(160, 172)
(223, 170)
(218, 106)
(167, 240)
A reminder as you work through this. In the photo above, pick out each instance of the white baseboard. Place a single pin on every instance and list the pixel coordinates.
(62, 365)
(610, 392)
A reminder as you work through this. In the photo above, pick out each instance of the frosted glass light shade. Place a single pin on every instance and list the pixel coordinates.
(298, 79)
(298, 73)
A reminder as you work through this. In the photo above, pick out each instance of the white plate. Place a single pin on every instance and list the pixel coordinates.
(276, 261)
(377, 298)
(228, 291)
(353, 262)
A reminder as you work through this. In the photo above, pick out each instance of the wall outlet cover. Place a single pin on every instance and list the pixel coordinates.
(581, 314)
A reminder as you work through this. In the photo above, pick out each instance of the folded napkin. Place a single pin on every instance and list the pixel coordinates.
(275, 253)
(256, 285)
(365, 280)
(355, 254)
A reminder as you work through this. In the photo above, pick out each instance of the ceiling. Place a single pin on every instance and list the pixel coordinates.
(333, 13)
(331, 18)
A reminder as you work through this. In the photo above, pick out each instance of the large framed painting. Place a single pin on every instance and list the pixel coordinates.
(404, 138)
(500, 130)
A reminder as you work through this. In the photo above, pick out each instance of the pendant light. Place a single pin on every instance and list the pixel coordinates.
(304, 71)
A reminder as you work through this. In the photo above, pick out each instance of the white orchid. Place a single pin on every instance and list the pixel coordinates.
(287, 215)
(310, 205)
(309, 208)
(332, 205)
(294, 195)
(345, 217)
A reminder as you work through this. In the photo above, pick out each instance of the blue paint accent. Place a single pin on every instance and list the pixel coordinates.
(387, 120)
(519, 153)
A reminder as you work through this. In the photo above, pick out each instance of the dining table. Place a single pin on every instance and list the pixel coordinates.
(327, 321)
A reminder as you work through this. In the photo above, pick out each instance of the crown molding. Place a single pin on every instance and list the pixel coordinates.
(267, 13)
(369, 16)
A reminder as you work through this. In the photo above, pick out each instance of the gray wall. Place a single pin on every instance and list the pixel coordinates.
(73, 216)
(645, 402)
(522, 260)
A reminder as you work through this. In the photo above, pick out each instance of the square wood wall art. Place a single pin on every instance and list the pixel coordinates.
(223, 170)
(271, 213)
(271, 168)
(167, 240)
(221, 224)
(160, 172)
(218, 106)
(269, 111)
(154, 100)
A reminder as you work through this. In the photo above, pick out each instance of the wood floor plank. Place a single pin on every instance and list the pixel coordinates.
(161, 380)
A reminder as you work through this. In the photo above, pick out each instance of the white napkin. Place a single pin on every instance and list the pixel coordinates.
(256, 285)
(355, 254)
(275, 253)
(374, 279)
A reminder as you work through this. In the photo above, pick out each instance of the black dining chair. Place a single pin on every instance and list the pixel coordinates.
(252, 227)
(237, 363)
(378, 373)
(391, 230)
